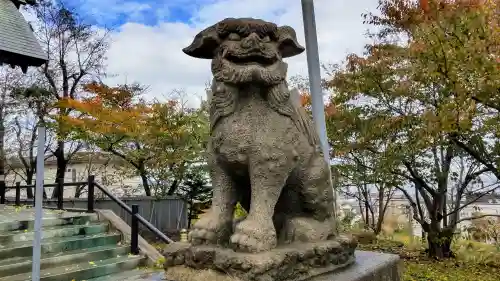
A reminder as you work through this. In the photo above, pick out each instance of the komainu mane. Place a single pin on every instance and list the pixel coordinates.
(263, 150)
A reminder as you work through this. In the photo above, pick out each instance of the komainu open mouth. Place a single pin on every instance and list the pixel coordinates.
(251, 59)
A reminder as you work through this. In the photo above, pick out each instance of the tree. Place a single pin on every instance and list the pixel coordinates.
(465, 43)
(351, 173)
(394, 104)
(157, 139)
(371, 188)
(9, 80)
(180, 134)
(193, 190)
(32, 107)
(76, 52)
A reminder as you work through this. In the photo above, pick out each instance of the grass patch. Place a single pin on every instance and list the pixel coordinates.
(475, 261)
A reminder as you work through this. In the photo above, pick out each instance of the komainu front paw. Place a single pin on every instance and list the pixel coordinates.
(210, 229)
(253, 237)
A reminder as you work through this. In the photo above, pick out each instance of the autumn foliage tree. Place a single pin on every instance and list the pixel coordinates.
(158, 139)
(76, 54)
(419, 102)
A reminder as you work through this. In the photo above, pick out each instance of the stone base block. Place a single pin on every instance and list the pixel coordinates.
(369, 266)
(293, 262)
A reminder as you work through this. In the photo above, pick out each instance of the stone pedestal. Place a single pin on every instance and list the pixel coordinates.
(369, 266)
(292, 262)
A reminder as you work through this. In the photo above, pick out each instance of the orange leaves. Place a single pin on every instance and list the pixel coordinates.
(305, 99)
(330, 109)
(108, 110)
(424, 5)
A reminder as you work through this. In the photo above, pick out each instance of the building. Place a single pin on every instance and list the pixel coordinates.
(106, 168)
(18, 45)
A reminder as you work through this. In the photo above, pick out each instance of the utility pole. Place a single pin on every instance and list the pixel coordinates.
(37, 247)
(314, 69)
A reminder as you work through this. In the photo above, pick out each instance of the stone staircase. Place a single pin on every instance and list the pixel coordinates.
(75, 247)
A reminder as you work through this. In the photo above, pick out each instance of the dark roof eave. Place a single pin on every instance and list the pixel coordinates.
(20, 60)
(18, 45)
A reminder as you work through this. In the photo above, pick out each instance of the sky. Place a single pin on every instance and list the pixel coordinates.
(148, 35)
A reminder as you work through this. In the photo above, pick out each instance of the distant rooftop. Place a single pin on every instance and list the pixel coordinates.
(18, 44)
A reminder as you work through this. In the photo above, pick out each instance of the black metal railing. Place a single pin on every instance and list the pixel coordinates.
(133, 210)
(60, 185)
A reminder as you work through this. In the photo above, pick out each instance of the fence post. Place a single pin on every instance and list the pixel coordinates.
(90, 197)
(134, 236)
(18, 193)
(60, 193)
(2, 192)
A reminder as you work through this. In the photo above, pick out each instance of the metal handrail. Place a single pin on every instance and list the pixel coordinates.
(60, 185)
(133, 211)
(49, 185)
(141, 219)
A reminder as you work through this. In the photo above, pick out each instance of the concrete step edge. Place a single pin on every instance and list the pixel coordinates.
(58, 231)
(134, 275)
(82, 271)
(52, 246)
(73, 219)
(65, 258)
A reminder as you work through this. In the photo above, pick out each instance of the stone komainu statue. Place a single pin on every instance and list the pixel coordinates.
(263, 151)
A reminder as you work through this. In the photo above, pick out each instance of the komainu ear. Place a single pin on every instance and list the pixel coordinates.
(204, 44)
(288, 44)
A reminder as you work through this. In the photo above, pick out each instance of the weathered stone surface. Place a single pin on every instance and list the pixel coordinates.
(263, 150)
(294, 262)
(369, 266)
(264, 153)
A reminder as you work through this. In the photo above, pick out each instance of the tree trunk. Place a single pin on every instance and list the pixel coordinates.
(378, 227)
(173, 187)
(61, 166)
(439, 244)
(2, 137)
(29, 181)
(145, 183)
(2, 150)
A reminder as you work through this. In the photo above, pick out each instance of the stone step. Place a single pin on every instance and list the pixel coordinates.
(52, 232)
(83, 271)
(134, 275)
(60, 244)
(75, 246)
(28, 222)
(20, 265)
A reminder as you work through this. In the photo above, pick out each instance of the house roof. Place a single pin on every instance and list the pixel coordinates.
(18, 45)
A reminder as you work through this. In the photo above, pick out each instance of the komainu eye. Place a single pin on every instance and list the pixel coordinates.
(266, 39)
(234, 37)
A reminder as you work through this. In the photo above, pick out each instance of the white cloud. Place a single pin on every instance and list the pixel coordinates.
(152, 55)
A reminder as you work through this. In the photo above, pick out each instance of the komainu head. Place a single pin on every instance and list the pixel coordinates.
(246, 50)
